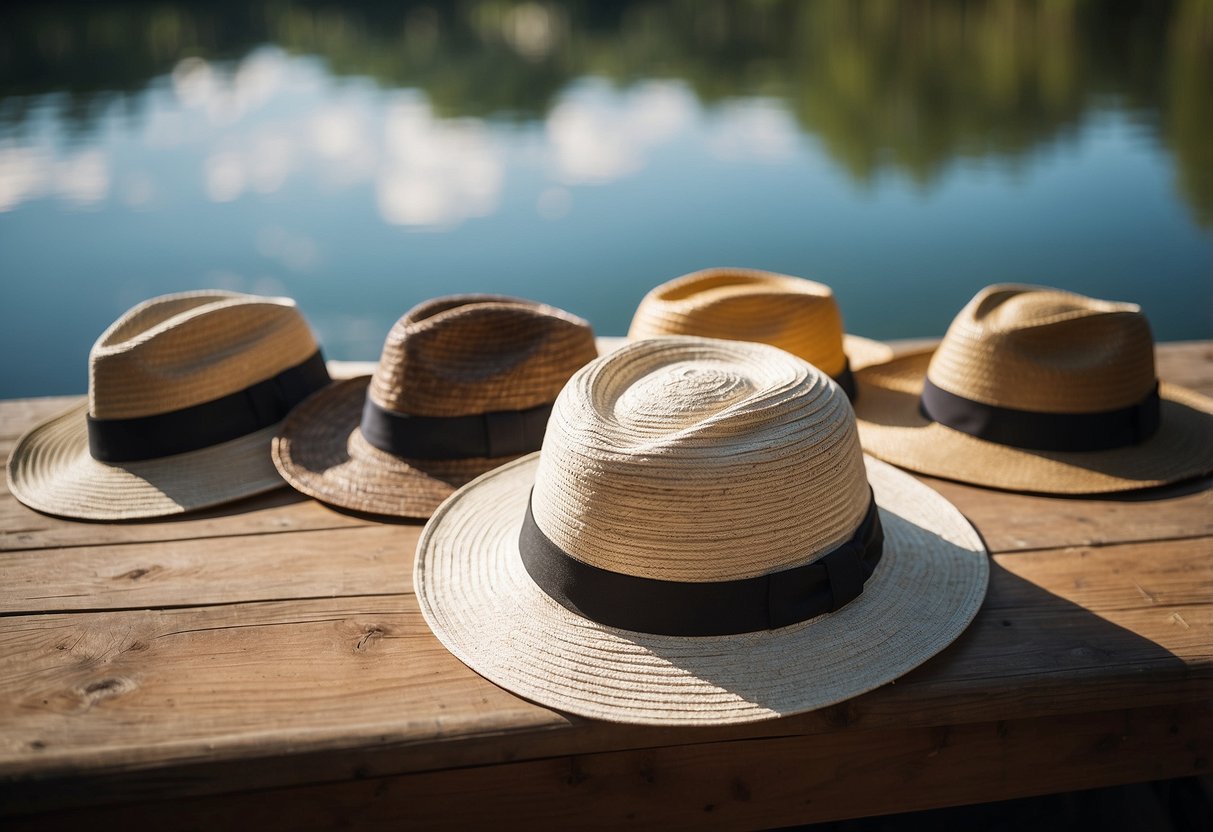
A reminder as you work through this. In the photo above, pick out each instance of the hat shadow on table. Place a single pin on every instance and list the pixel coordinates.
(918, 621)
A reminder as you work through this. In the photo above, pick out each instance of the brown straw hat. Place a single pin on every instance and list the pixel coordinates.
(699, 541)
(465, 383)
(1040, 390)
(185, 393)
(791, 313)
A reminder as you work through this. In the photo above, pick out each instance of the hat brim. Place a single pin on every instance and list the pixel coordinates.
(892, 428)
(479, 600)
(51, 470)
(864, 352)
(321, 452)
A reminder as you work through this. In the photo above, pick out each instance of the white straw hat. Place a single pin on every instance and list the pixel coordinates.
(794, 314)
(703, 513)
(1040, 390)
(185, 393)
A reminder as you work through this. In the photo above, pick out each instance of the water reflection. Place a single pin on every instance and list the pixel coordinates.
(364, 157)
(906, 86)
(268, 116)
(436, 173)
(29, 171)
(426, 171)
(599, 134)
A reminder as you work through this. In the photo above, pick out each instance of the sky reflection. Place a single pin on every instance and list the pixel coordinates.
(247, 130)
(361, 195)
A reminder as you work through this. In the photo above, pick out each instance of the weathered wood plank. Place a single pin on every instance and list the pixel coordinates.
(378, 558)
(263, 566)
(357, 561)
(84, 692)
(1009, 522)
(284, 510)
(1014, 522)
(750, 783)
(1107, 579)
(1188, 363)
(85, 695)
(141, 703)
(19, 415)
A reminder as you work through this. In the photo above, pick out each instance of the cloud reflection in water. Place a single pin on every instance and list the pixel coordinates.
(249, 129)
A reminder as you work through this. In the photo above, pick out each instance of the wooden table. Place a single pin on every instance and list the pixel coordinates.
(267, 664)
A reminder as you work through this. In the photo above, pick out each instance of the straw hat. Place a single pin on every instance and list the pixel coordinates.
(697, 543)
(464, 384)
(791, 313)
(185, 393)
(1036, 389)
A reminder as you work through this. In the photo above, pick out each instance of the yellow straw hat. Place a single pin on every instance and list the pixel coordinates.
(1036, 389)
(185, 393)
(699, 541)
(797, 315)
(465, 383)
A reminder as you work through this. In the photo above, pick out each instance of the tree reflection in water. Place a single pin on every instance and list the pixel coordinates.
(909, 86)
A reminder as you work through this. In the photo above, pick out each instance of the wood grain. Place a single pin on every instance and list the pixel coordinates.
(275, 644)
(22, 529)
(742, 784)
(85, 694)
(19, 415)
(1187, 363)
(342, 562)
(1015, 522)
(1009, 522)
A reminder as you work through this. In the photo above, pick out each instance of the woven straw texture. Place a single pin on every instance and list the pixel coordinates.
(165, 354)
(451, 356)
(1032, 348)
(696, 460)
(797, 315)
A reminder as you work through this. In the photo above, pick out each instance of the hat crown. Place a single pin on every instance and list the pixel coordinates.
(468, 354)
(794, 314)
(180, 350)
(690, 459)
(1046, 350)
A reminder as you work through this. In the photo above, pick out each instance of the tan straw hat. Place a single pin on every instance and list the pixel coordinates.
(791, 313)
(185, 393)
(464, 384)
(1036, 389)
(697, 542)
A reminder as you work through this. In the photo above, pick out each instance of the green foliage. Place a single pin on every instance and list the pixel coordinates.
(911, 86)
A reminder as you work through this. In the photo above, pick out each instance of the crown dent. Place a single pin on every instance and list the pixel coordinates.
(794, 314)
(694, 459)
(177, 351)
(469, 354)
(679, 396)
(1046, 350)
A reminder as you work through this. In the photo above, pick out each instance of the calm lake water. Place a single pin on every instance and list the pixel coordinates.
(363, 158)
